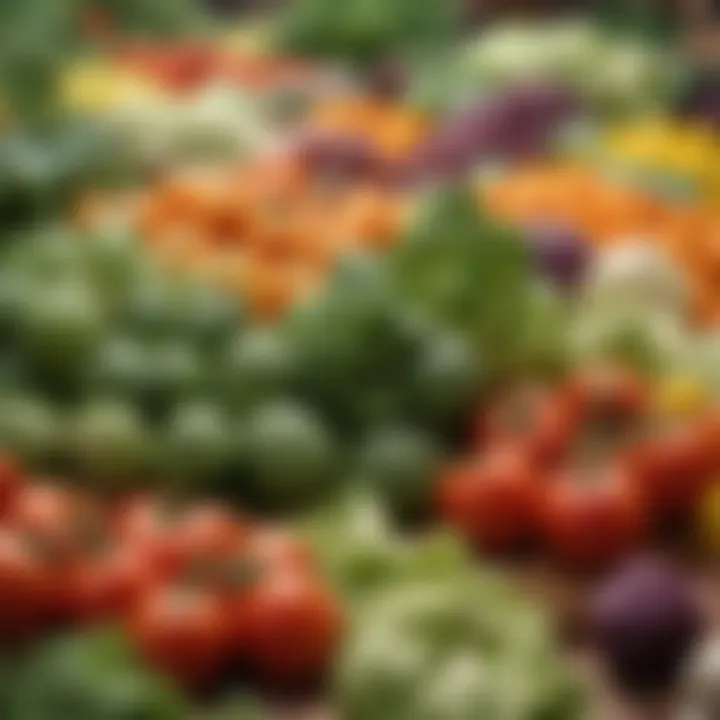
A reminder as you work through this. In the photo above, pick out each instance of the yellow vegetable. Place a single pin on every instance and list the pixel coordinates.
(100, 88)
(681, 396)
(254, 38)
(690, 151)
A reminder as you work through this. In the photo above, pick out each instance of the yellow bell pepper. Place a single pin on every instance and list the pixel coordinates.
(690, 151)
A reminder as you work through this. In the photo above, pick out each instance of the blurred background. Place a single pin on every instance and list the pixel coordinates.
(359, 355)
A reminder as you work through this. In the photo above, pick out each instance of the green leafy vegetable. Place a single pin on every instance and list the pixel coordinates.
(364, 31)
(431, 638)
(468, 272)
(93, 676)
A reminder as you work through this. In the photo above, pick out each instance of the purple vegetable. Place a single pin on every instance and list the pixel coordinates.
(516, 123)
(560, 255)
(645, 621)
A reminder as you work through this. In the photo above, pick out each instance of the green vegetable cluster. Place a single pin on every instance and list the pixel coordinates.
(44, 170)
(613, 73)
(430, 638)
(119, 372)
(93, 676)
(365, 31)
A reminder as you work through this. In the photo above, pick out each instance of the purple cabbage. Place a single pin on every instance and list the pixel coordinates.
(514, 124)
(645, 622)
(560, 255)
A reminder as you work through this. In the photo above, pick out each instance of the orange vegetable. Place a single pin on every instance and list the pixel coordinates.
(606, 213)
(265, 229)
(394, 131)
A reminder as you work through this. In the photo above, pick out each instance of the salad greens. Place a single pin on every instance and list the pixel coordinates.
(430, 639)
(93, 676)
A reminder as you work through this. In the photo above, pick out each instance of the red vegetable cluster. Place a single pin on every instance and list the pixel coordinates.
(190, 66)
(586, 471)
(199, 590)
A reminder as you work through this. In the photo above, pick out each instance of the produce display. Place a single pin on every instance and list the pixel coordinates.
(195, 588)
(612, 74)
(388, 134)
(365, 32)
(158, 128)
(266, 230)
(608, 214)
(590, 471)
(357, 362)
(432, 639)
(174, 105)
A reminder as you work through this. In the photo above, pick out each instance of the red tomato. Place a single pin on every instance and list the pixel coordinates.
(455, 492)
(179, 631)
(61, 520)
(593, 517)
(237, 596)
(674, 469)
(503, 493)
(274, 548)
(11, 480)
(185, 68)
(179, 540)
(607, 394)
(268, 552)
(295, 628)
(210, 531)
(148, 523)
(532, 415)
(24, 591)
(107, 585)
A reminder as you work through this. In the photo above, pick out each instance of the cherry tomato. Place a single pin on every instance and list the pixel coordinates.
(61, 520)
(530, 414)
(185, 68)
(177, 540)
(148, 523)
(209, 531)
(237, 595)
(274, 548)
(24, 591)
(108, 584)
(11, 481)
(607, 394)
(295, 628)
(502, 493)
(593, 518)
(674, 468)
(179, 631)
(268, 552)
